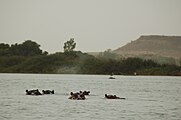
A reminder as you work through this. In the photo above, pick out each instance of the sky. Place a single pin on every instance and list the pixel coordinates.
(95, 25)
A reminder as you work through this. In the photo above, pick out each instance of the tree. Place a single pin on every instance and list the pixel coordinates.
(30, 48)
(108, 54)
(27, 48)
(69, 46)
(4, 48)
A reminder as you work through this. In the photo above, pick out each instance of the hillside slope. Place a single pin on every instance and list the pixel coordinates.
(154, 45)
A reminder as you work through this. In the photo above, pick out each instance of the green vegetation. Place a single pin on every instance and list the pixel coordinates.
(29, 58)
(69, 46)
(27, 48)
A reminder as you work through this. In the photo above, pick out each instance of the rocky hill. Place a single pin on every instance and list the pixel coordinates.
(162, 49)
(166, 46)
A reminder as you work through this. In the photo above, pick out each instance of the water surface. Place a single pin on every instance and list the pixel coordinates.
(147, 97)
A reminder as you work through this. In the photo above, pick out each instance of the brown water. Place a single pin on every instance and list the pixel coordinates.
(147, 97)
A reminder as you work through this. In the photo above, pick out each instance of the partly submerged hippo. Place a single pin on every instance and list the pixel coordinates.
(33, 92)
(112, 97)
(73, 95)
(48, 91)
(77, 96)
(86, 92)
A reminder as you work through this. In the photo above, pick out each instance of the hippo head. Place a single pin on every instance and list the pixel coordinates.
(53, 92)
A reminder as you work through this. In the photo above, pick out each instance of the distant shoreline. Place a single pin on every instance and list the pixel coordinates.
(84, 74)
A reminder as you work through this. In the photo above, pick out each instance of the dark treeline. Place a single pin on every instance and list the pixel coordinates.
(29, 58)
(27, 48)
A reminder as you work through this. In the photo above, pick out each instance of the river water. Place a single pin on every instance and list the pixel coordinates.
(147, 97)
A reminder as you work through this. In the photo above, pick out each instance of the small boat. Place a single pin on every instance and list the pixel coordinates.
(111, 77)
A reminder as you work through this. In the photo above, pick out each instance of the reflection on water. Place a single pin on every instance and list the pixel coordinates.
(147, 97)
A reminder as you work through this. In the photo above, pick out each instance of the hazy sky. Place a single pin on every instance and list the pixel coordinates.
(96, 25)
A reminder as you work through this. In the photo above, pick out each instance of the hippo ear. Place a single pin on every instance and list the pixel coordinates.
(52, 91)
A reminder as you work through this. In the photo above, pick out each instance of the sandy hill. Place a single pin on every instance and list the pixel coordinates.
(166, 46)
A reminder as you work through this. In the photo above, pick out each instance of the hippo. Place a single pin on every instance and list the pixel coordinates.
(28, 92)
(86, 92)
(108, 96)
(33, 92)
(73, 95)
(48, 91)
(77, 96)
(81, 97)
(37, 93)
(112, 97)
